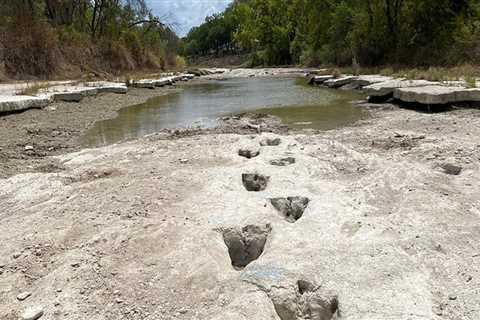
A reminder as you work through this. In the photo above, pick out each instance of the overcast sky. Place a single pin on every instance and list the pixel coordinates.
(185, 14)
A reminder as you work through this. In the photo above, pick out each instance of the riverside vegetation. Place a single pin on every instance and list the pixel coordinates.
(366, 33)
(68, 38)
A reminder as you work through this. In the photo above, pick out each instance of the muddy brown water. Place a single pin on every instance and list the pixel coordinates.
(199, 105)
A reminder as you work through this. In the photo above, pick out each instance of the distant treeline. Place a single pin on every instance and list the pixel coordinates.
(343, 32)
(69, 37)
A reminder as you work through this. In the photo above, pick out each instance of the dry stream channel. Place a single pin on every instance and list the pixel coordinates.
(370, 216)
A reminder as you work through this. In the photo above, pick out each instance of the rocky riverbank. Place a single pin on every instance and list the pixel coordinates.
(379, 220)
(52, 120)
(432, 94)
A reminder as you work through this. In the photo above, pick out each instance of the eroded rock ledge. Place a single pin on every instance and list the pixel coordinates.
(13, 100)
(382, 88)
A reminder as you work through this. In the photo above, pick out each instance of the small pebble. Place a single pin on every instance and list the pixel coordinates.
(24, 295)
(32, 313)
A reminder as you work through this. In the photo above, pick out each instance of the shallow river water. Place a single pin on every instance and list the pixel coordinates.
(298, 105)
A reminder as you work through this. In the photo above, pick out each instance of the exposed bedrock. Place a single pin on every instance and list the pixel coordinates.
(386, 88)
(437, 95)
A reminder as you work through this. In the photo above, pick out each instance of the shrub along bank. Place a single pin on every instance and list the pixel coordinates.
(49, 38)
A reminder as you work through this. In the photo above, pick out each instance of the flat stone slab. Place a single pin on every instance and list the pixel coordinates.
(74, 94)
(32, 313)
(188, 76)
(214, 70)
(160, 82)
(67, 91)
(386, 88)
(145, 84)
(163, 82)
(431, 95)
(338, 82)
(366, 80)
(109, 87)
(19, 103)
(320, 79)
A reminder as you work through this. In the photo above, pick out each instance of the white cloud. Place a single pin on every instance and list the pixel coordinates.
(185, 14)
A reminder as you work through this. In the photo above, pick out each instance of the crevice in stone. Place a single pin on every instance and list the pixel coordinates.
(291, 208)
(305, 286)
(248, 153)
(451, 169)
(246, 244)
(255, 182)
(270, 142)
(283, 162)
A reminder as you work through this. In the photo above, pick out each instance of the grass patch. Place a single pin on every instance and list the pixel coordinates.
(467, 73)
(471, 82)
(32, 89)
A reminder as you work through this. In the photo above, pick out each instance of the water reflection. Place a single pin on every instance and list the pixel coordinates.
(201, 104)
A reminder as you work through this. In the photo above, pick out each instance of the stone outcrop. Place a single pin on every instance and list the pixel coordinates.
(18, 103)
(110, 87)
(381, 88)
(339, 82)
(75, 94)
(70, 92)
(367, 80)
(320, 79)
(386, 88)
(437, 95)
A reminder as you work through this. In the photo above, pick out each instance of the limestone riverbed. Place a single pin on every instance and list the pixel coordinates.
(376, 220)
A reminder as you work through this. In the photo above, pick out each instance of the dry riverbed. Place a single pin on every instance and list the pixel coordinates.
(376, 221)
(28, 138)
